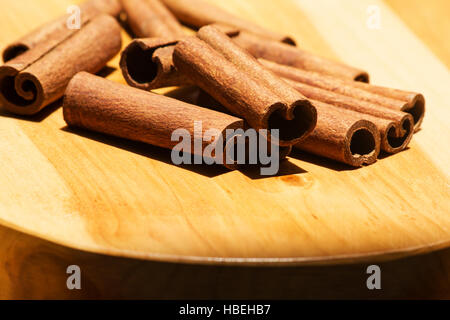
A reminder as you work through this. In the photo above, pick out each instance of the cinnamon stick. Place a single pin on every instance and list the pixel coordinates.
(147, 64)
(295, 57)
(257, 46)
(342, 135)
(396, 127)
(409, 102)
(150, 18)
(249, 65)
(243, 93)
(100, 105)
(198, 13)
(56, 31)
(39, 76)
(194, 95)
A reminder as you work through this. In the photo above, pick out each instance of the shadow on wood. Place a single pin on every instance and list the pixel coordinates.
(147, 150)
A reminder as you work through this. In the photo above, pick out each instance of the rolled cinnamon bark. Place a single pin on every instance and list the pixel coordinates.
(100, 105)
(414, 102)
(220, 42)
(198, 13)
(194, 95)
(150, 18)
(395, 131)
(167, 75)
(56, 31)
(39, 76)
(409, 102)
(295, 57)
(396, 127)
(242, 93)
(342, 135)
(147, 64)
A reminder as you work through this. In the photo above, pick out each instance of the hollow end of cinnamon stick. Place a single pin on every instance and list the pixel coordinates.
(396, 136)
(356, 145)
(362, 144)
(394, 99)
(14, 50)
(147, 64)
(292, 129)
(194, 95)
(395, 126)
(362, 77)
(416, 108)
(20, 93)
(137, 65)
(289, 40)
(299, 117)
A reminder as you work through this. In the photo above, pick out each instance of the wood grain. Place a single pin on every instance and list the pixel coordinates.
(32, 268)
(109, 196)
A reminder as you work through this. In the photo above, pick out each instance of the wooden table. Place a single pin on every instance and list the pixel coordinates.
(63, 191)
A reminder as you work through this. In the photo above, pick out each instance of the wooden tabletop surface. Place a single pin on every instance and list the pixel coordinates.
(108, 196)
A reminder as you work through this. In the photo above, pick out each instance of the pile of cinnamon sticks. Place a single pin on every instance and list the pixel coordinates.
(242, 76)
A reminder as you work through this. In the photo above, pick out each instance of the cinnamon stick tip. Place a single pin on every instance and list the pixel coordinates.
(397, 137)
(362, 144)
(130, 59)
(289, 40)
(138, 65)
(294, 123)
(416, 108)
(20, 93)
(362, 77)
(14, 50)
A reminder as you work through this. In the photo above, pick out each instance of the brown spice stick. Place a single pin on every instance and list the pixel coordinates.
(409, 102)
(240, 92)
(295, 57)
(150, 18)
(391, 138)
(267, 49)
(194, 95)
(101, 105)
(249, 65)
(396, 127)
(38, 77)
(56, 31)
(342, 135)
(414, 102)
(147, 64)
(199, 13)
